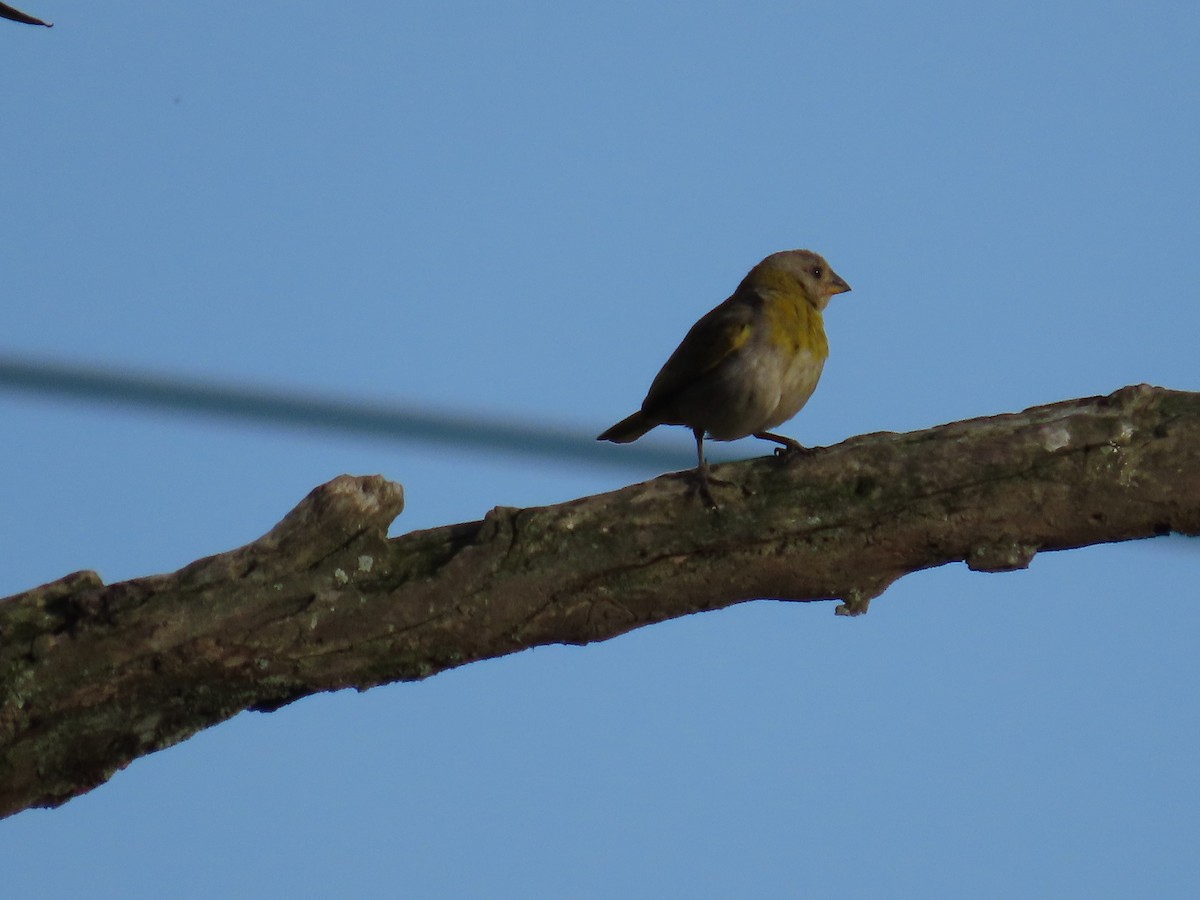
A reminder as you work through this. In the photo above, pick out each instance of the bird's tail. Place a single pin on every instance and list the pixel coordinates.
(628, 429)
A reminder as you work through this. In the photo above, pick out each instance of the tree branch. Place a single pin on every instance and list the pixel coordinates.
(9, 12)
(93, 676)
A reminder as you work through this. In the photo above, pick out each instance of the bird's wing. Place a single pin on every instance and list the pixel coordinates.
(714, 338)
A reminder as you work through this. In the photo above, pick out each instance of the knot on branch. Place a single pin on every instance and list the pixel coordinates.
(337, 510)
(1000, 557)
(857, 600)
(329, 519)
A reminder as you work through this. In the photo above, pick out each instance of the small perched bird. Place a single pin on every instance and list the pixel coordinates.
(748, 365)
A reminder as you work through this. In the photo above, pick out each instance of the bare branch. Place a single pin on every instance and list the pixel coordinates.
(93, 676)
(8, 12)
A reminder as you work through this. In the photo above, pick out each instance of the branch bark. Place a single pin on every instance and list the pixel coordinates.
(93, 676)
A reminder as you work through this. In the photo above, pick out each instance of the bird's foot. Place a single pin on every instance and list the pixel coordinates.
(701, 484)
(788, 446)
(797, 450)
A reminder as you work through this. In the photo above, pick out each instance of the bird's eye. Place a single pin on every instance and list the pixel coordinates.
(816, 270)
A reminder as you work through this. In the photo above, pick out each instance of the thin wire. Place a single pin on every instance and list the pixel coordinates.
(316, 413)
(324, 413)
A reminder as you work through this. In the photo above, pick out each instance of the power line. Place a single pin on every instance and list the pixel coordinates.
(325, 413)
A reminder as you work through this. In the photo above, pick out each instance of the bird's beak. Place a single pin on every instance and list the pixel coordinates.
(837, 286)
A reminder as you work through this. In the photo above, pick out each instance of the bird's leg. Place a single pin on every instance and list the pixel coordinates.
(703, 478)
(702, 469)
(790, 446)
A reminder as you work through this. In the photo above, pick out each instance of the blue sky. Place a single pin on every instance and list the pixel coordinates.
(515, 211)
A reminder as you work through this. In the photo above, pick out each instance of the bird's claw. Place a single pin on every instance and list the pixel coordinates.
(702, 485)
(796, 450)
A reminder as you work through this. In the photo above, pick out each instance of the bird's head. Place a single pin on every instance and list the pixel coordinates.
(803, 269)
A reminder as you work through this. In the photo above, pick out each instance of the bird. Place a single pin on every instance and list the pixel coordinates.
(748, 365)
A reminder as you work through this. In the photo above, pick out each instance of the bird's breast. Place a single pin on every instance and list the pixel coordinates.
(799, 349)
(797, 382)
(796, 326)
